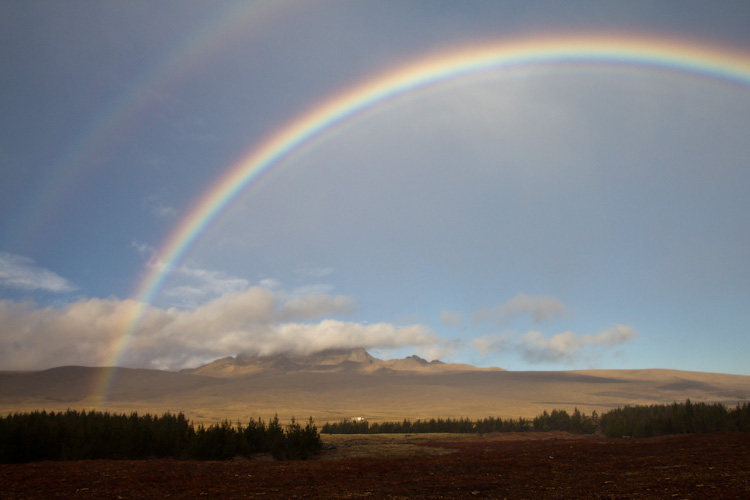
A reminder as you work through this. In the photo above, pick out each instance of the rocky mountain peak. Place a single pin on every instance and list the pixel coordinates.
(417, 359)
(328, 360)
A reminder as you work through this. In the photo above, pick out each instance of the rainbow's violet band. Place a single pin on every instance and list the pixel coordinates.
(671, 55)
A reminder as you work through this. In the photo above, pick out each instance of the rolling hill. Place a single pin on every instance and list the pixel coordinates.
(334, 385)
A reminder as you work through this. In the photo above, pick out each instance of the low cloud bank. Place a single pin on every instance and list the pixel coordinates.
(254, 321)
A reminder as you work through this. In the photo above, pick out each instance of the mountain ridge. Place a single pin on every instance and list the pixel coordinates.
(338, 384)
(328, 360)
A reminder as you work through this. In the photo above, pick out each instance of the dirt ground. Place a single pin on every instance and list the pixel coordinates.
(524, 466)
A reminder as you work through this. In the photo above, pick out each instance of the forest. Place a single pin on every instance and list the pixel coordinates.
(677, 418)
(631, 421)
(74, 435)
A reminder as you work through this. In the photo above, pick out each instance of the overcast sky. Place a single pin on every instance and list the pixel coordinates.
(548, 217)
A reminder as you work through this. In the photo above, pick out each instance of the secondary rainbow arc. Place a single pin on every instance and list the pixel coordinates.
(670, 55)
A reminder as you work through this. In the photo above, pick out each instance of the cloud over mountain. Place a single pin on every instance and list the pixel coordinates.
(256, 320)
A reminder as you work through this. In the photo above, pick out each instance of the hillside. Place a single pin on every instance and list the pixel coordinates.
(327, 361)
(333, 385)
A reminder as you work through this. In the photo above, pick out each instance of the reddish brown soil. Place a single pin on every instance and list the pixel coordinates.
(694, 466)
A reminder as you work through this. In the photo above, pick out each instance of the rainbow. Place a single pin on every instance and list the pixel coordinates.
(679, 56)
(120, 116)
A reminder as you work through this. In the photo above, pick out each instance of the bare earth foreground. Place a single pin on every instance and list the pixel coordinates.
(519, 466)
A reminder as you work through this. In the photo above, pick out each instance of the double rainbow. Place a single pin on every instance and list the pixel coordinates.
(678, 56)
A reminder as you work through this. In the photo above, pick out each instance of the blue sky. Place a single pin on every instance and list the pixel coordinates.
(543, 218)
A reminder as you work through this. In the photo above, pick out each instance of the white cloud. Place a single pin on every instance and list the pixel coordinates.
(256, 320)
(304, 338)
(192, 285)
(269, 283)
(432, 351)
(536, 348)
(82, 333)
(204, 283)
(540, 307)
(21, 273)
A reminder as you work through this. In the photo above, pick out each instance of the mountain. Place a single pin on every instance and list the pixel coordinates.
(330, 360)
(70, 384)
(337, 384)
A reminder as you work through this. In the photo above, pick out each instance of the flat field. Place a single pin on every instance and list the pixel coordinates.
(513, 466)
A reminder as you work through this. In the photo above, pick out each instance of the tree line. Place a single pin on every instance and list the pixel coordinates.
(634, 421)
(557, 420)
(433, 425)
(74, 435)
(677, 418)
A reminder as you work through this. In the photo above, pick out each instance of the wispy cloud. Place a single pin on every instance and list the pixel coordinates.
(192, 285)
(540, 307)
(534, 347)
(255, 321)
(565, 346)
(156, 205)
(492, 343)
(270, 283)
(143, 249)
(22, 273)
(204, 283)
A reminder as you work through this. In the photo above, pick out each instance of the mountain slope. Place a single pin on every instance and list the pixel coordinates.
(333, 385)
(331, 360)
